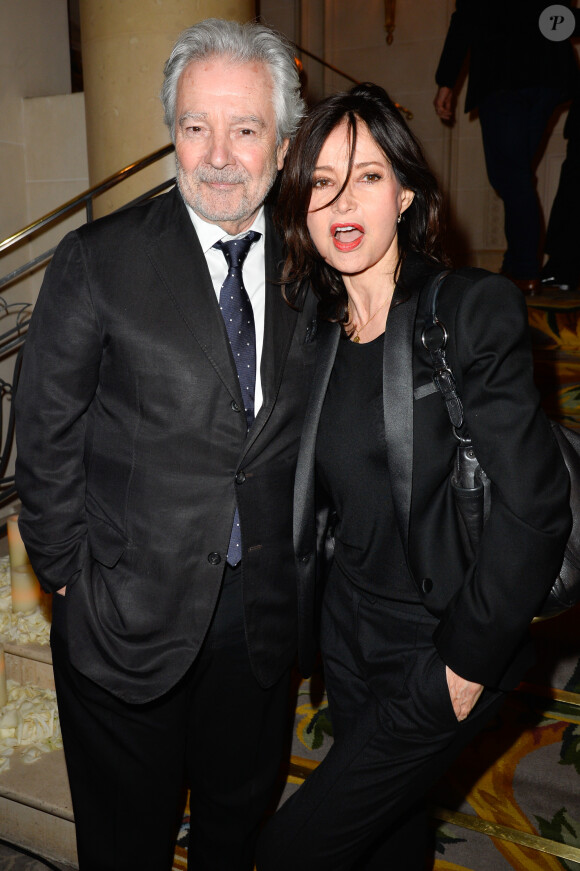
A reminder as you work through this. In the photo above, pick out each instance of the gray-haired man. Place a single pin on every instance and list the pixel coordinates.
(167, 378)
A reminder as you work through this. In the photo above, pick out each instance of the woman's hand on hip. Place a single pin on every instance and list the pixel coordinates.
(464, 693)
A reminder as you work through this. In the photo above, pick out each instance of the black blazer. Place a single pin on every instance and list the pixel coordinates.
(506, 49)
(132, 451)
(484, 604)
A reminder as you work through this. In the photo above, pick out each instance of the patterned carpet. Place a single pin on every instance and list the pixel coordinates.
(554, 319)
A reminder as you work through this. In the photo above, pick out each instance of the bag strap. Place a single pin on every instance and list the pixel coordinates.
(434, 338)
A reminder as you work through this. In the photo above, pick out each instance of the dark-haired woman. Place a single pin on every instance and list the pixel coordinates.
(419, 642)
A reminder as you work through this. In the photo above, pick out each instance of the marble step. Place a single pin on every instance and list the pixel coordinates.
(35, 803)
(29, 664)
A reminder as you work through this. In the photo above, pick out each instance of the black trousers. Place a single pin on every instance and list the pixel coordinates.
(395, 734)
(512, 126)
(564, 226)
(217, 731)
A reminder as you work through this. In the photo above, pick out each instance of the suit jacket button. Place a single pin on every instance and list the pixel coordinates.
(305, 558)
(240, 477)
(426, 585)
(214, 559)
(234, 406)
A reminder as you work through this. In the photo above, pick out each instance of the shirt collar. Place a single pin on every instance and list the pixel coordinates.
(209, 234)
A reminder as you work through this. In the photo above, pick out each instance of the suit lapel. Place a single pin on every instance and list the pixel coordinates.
(279, 325)
(398, 407)
(279, 321)
(327, 340)
(177, 257)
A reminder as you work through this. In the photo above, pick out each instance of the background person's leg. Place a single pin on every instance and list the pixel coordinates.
(512, 126)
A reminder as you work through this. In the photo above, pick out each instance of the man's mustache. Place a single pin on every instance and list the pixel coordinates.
(227, 175)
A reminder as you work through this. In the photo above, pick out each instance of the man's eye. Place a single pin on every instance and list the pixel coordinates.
(247, 132)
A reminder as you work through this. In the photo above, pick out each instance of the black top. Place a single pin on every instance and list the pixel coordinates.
(351, 462)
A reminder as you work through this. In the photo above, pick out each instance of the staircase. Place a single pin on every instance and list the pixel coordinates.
(35, 802)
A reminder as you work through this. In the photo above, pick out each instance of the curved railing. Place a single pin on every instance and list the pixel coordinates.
(85, 200)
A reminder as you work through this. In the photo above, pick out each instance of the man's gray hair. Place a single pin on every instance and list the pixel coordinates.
(241, 43)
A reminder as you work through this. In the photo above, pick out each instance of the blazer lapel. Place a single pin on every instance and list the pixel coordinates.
(179, 261)
(327, 339)
(398, 407)
(279, 325)
(279, 322)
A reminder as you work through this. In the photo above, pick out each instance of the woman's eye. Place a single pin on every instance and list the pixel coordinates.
(371, 177)
(320, 183)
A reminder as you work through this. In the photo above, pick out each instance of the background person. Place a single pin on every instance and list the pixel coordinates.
(419, 641)
(144, 450)
(562, 268)
(516, 79)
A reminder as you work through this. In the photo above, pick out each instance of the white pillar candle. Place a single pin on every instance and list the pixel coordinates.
(25, 588)
(3, 687)
(16, 549)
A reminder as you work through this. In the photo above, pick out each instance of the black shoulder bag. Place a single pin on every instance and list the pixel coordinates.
(471, 486)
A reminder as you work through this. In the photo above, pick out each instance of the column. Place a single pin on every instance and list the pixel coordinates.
(125, 44)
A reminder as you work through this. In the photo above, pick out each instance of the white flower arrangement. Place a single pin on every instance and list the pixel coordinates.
(29, 721)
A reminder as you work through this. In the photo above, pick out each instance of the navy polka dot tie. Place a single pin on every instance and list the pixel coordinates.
(238, 316)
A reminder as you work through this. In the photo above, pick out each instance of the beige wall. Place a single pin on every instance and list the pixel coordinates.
(33, 63)
(42, 130)
(56, 169)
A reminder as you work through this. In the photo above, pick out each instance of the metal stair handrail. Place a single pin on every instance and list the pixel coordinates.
(85, 199)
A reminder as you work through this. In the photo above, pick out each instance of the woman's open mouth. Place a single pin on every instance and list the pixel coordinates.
(346, 237)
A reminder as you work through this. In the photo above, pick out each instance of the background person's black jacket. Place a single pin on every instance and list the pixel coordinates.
(506, 49)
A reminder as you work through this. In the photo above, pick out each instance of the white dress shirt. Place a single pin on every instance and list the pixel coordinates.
(254, 272)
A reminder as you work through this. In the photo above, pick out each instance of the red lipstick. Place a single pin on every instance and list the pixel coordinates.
(346, 237)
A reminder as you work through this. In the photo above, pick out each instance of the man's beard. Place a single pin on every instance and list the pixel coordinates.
(206, 202)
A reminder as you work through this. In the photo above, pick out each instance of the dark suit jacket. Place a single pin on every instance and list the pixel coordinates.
(132, 451)
(484, 603)
(506, 49)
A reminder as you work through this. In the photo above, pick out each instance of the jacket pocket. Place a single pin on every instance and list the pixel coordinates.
(106, 543)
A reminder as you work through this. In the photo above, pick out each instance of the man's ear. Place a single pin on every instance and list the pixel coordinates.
(281, 152)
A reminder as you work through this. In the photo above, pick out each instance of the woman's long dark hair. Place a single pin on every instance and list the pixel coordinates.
(420, 226)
